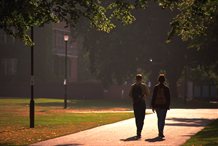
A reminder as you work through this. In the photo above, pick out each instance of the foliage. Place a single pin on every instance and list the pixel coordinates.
(192, 20)
(17, 17)
(114, 57)
(193, 17)
(203, 58)
(200, 74)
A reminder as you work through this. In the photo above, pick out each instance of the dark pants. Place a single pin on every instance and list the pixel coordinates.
(139, 112)
(161, 116)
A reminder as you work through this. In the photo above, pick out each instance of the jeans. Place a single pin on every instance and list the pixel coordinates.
(161, 116)
(139, 112)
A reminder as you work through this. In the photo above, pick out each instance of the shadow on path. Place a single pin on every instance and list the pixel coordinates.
(192, 122)
(156, 139)
(73, 144)
(133, 138)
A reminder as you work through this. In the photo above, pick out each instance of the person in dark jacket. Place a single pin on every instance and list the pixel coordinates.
(161, 103)
(139, 92)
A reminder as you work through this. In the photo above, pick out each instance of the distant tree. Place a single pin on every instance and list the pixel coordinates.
(207, 51)
(200, 74)
(17, 16)
(115, 57)
(193, 17)
(191, 23)
(195, 23)
(137, 43)
(205, 54)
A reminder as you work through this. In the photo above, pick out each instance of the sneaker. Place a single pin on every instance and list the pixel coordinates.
(161, 135)
(138, 136)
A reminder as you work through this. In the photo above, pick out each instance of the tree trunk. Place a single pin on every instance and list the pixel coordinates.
(173, 75)
(154, 76)
(173, 87)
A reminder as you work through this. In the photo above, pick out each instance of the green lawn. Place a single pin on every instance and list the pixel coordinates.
(51, 120)
(194, 103)
(207, 137)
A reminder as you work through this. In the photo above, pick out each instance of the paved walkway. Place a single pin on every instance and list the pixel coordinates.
(180, 125)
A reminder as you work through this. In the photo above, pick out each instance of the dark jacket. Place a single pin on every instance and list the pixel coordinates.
(166, 104)
(145, 91)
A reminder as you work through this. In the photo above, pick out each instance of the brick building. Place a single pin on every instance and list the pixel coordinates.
(49, 54)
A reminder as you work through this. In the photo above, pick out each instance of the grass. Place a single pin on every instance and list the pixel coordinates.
(207, 137)
(51, 120)
(194, 103)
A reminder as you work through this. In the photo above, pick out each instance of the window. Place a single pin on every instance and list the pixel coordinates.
(9, 66)
(3, 36)
(58, 41)
(59, 44)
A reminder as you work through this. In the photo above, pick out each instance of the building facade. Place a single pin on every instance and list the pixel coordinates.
(49, 61)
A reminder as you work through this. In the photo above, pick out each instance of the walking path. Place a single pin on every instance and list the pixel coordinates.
(181, 124)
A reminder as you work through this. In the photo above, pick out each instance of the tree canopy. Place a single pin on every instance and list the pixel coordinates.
(193, 17)
(18, 16)
(116, 57)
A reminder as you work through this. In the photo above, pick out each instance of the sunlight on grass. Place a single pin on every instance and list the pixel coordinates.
(207, 137)
(51, 120)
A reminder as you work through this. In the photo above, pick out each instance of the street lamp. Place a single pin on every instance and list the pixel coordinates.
(155, 67)
(32, 103)
(66, 38)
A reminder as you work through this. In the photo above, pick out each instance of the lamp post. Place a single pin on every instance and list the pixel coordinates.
(66, 38)
(32, 103)
(155, 69)
(153, 72)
